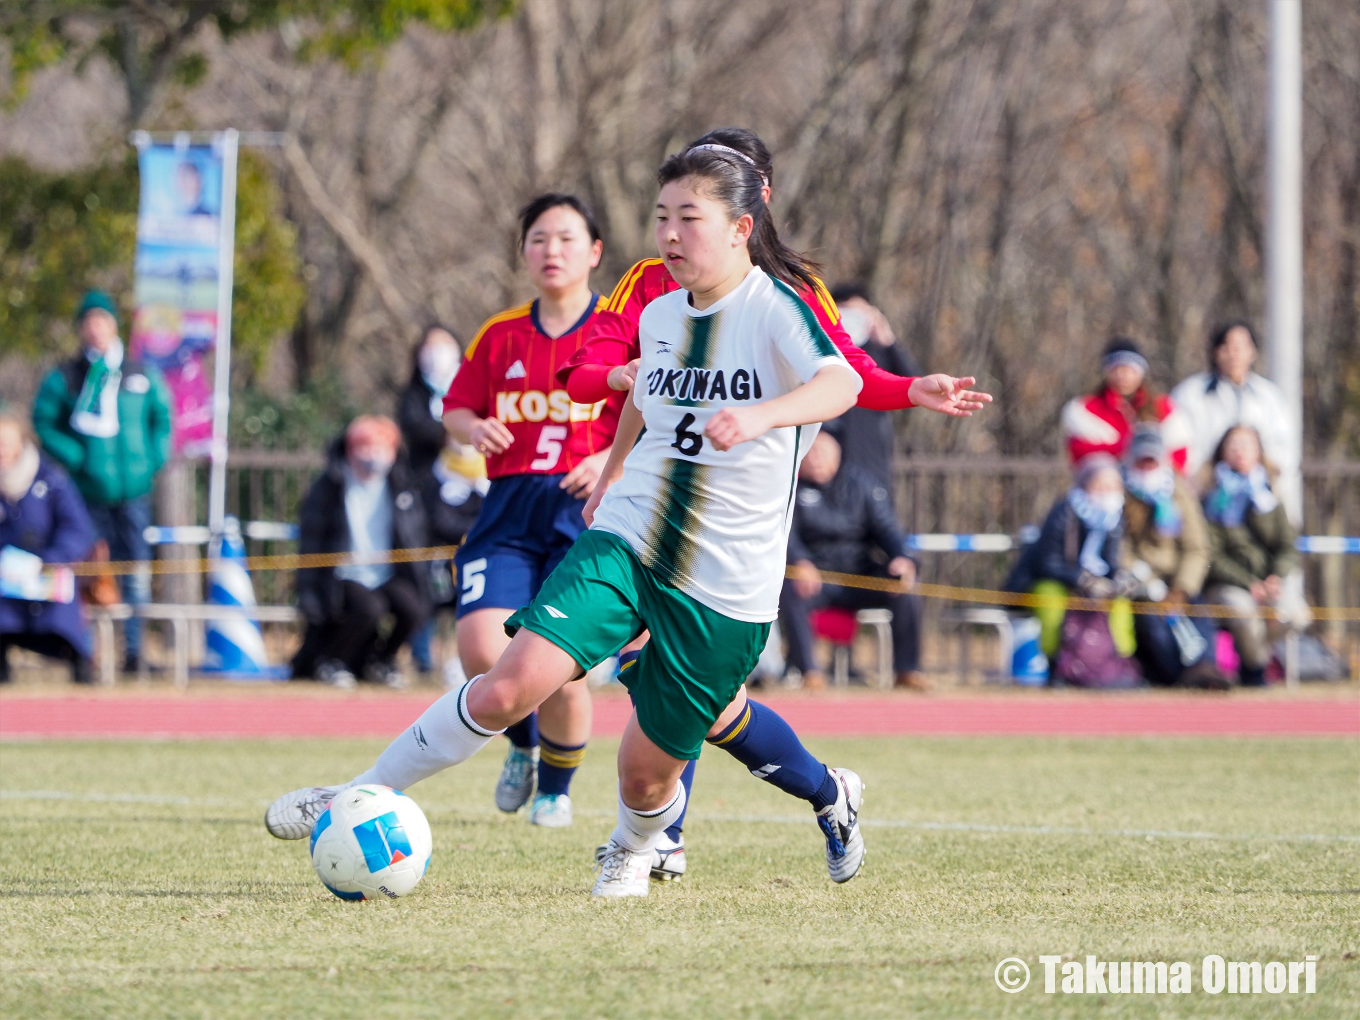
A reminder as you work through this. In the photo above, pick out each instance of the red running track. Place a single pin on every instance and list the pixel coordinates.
(246, 716)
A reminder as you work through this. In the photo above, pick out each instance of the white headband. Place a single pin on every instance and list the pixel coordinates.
(715, 147)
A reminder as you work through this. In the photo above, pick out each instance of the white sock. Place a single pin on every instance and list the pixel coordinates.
(639, 830)
(444, 735)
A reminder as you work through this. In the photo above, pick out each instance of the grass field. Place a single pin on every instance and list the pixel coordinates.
(141, 883)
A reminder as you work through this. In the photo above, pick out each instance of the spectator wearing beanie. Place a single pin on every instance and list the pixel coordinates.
(104, 416)
(1167, 548)
(1103, 421)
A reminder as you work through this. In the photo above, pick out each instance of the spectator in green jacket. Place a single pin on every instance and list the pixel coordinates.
(1252, 560)
(105, 417)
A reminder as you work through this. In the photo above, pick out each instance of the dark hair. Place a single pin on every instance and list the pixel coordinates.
(849, 291)
(1266, 463)
(1219, 336)
(1144, 399)
(745, 141)
(529, 215)
(430, 326)
(737, 183)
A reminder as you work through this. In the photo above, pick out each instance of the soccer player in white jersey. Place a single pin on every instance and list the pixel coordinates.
(688, 534)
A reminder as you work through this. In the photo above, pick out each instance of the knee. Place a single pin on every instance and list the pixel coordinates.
(496, 704)
(645, 792)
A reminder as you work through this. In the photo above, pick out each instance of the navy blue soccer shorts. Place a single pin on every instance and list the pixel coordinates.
(526, 525)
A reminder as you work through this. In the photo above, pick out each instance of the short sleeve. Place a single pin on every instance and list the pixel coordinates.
(799, 337)
(469, 387)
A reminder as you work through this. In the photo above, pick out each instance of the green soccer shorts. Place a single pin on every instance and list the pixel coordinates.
(600, 597)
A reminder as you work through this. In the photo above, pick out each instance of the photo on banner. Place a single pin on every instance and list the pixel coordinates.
(175, 321)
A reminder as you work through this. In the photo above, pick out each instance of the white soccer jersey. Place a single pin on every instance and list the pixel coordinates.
(715, 524)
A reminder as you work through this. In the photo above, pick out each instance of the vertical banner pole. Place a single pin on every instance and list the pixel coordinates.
(217, 485)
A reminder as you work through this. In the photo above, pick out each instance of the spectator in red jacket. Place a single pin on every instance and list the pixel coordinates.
(1103, 421)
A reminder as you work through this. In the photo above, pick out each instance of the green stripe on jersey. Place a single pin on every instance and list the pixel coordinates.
(700, 333)
(821, 343)
(671, 550)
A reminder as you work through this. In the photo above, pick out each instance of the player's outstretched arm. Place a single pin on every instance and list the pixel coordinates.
(829, 393)
(630, 427)
(948, 395)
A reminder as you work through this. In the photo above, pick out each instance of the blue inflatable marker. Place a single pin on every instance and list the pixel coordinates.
(235, 645)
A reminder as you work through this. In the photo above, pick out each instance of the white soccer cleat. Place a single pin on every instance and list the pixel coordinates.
(293, 815)
(668, 859)
(551, 810)
(623, 872)
(839, 823)
(516, 784)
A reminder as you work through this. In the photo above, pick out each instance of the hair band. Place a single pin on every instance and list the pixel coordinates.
(715, 147)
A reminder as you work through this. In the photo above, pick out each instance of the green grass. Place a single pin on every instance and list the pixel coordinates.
(150, 909)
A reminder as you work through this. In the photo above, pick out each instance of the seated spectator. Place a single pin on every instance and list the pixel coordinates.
(866, 436)
(42, 517)
(1229, 394)
(366, 501)
(1103, 421)
(1078, 552)
(842, 519)
(1167, 550)
(1252, 559)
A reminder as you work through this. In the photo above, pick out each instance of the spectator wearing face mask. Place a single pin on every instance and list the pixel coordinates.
(367, 501)
(452, 476)
(1230, 394)
(420, 412)
(1252, 560)
(1078, 553)
(1103, 421)
(867, 436)
(1167, 549)
(104, 416)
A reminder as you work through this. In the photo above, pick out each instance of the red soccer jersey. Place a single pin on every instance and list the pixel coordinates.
(613, 339)
(509, 372)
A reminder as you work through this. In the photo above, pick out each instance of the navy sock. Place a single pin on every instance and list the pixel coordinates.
(557, 763)
(687, 781)
(524, 734)
(767, 745)
(628, 660)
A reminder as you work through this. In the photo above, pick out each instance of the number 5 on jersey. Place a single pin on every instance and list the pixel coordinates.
(549, 446)
(474, 580)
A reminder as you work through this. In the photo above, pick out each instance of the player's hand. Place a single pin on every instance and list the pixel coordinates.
(490, 435)
(1274, 587)
(948, 395)
(622, 377)
(733, 425)
(596, 494)
(905, 570)
(1258, 592)
(807, 579)
(581, 479)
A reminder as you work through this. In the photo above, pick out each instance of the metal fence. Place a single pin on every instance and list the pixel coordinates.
(934, 494)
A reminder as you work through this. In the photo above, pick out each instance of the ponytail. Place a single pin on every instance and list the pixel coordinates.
(734, 179)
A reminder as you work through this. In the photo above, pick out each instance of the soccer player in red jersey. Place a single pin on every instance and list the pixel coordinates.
(544, 453)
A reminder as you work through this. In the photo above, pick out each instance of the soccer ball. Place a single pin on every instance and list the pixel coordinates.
(371, 841)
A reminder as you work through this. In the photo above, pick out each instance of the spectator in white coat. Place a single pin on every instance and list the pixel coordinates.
(1231, 394)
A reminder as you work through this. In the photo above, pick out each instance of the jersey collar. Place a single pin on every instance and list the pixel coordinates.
(590, 310)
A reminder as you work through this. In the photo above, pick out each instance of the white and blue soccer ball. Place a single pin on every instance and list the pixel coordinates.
(370, 842)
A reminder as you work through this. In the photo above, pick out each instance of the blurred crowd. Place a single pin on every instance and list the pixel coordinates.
(1178, 499)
